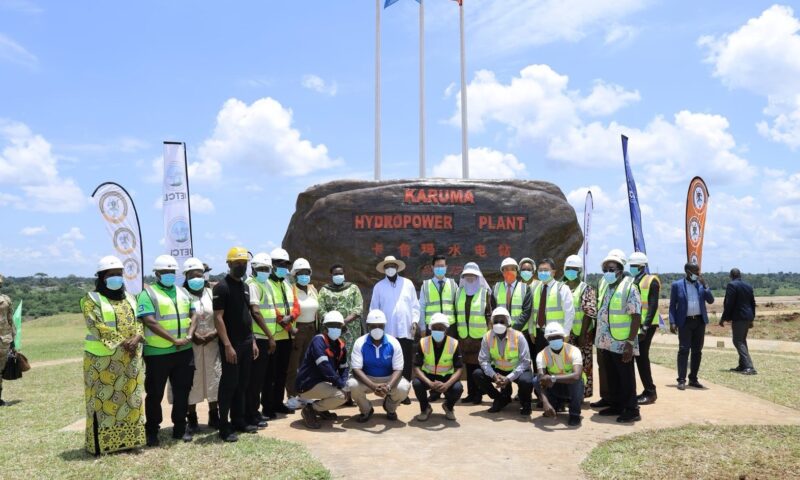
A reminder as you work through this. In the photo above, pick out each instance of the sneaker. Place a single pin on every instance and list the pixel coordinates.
(294, 403)
(228, 437)
(425, 415)
(327, 415)
(629, 417)
(364, 417)
(574, 421)
(448, 412)
(310, 417)
(152, 440)
(602, 403)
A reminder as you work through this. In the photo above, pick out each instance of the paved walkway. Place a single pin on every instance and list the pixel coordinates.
(755, 345)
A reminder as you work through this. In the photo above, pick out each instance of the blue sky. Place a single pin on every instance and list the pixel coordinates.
(273, 97)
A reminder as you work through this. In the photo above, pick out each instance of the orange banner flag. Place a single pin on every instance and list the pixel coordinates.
(696, 208)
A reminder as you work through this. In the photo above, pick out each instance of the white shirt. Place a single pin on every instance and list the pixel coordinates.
(205, 312)
(566, 304)
(399, 303)
(255, 293)
(357, 360)
(577, 358)
(308, 304)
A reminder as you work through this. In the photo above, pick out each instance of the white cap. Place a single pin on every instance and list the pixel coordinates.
(109, 263)
(509, 261)
(471, 268)
(553, 329)
(638, 258)
(279, 254)
(261, 260)
(376, 316)
(574, 261)
(333, 317)
(300, 264)
(501, 311)
(439, 318)
(193, 264)
(165, 262)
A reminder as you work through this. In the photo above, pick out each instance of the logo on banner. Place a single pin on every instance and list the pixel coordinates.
(124, 241)
(174, 176)
(131, 268)
(694, 230)
(179, 230)
(699, 198)
(113, 207)
(693, 259)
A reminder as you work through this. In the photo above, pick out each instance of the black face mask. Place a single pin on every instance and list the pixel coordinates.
(238, 271)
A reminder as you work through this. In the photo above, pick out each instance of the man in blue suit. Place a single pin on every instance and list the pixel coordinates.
(688, 318)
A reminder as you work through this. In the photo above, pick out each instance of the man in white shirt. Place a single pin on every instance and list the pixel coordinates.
(559, 376)
(552, 302)
(397, 298)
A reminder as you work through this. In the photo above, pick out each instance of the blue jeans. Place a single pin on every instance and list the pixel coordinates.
(560, 393)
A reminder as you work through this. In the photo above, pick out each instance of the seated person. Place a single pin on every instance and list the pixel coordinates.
(560, 378)
(437, 367)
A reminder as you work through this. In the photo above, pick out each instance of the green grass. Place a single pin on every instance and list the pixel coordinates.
(777, 379)
(695, 452)
(53, 338)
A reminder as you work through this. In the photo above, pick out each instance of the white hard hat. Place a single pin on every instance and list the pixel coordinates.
(109, 263)
(528, 260)
(553, 329)
(165, 262)
(574, 261)
(333, 317)
(500, 311)
(439, 318)
(279, 254)
(471, 268)
(638, 258)
(619, 254)
(261, 260)
(300, 264)
(509, 261)
(193, 264)
(376, 316)
(613, 257)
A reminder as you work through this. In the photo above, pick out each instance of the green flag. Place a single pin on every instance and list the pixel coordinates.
(18, 325)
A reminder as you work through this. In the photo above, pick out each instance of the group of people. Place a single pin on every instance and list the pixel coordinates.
(261, 336)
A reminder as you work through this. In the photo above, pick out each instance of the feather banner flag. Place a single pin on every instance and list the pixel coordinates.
(696, 208)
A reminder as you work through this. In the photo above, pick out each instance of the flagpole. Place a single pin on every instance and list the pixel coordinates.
(377, 89)
(464, 143)
(422, 88)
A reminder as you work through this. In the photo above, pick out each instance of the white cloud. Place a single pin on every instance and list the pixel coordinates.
(782, 187)
(763, 56)
(28, 163)
(606, 99)
(483, 163)
(317, 84)
(620, 34)
(201, 204)
(72, 235)
(21, 6)
(32, 231)
(259, 137)
(15, 53)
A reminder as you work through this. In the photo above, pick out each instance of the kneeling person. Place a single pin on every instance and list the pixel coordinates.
(504, 358)
(437, 367)
(377, 366)
(323, 372)
(560, 378)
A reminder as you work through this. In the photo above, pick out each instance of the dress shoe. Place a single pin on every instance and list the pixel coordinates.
(696, 384)
(647, 399)
(609, 412)
(477, 400)
(327, 415)
(283, 409)
(574, 421)
(468, 399)
(602, 403)
(152, 440)
(749, 371)
(525, 409)
(364, 417)
(310, 417)
(247, 429)
(229, 437)
(499, 404)
(737, 369)
(629, 417)
(260, 423)
(269, 414)
(681, 385)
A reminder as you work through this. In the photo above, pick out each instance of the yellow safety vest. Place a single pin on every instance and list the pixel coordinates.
(93, 344)
(644, 289)
(510, 358)
(618, 318)
(577, 295)
(476, 327)
(439, 303)
(553, 310)
(174, 317)
(445, 364)
(517, 296)
(283, 305)
(266, 307)
(560, 363)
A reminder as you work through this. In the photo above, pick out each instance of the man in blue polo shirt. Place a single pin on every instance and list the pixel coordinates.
(377, 366)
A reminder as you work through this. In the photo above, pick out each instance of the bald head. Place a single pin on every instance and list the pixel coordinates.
(736, 274)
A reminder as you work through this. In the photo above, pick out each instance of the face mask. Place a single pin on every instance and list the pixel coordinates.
(281, 272)
(238, 271)
(510, 277)
(437, 336)
(262, 276)
(376, 333)
(471, 286)
(526, 275)
(391, 272)
(167, 279)
(499, 328)
(610, 277)
(556, 344)
(114, 283)
(693, 277)
(333, 333)
(338, 279)
(571, 274)
(303, 280)
(545, 276)
(635, 271)
(196, 283)
(439, 271)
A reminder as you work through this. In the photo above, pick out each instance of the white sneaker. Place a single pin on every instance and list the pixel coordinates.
(294, 403)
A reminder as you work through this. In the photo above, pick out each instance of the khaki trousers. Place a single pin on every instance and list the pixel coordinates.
(326, 396)
(358, 392)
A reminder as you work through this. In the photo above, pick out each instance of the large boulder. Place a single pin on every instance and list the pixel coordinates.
(357, 223)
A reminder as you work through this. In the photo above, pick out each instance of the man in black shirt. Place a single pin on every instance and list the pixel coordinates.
(438, 367)
(234, 323)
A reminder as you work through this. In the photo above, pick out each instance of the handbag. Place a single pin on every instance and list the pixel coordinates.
(15, 365)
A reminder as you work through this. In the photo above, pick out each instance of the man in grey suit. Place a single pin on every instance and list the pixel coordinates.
(740, 309)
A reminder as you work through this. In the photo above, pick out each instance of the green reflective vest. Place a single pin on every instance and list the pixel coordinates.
(577, 295)
(553, 310)
(509, 360)
(93, 344)
(445, 364)
(644, 289)
(475, 326)
(440, 303)
(283, 299)
(517, 296)
(560, 363)
(266, 307)
(174, 317)
(619, 319)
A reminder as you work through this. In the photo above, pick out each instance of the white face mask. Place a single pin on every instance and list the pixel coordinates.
(376, 333)
(391, 272)
(499, 328)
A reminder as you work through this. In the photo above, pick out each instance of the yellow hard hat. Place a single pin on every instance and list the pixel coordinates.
(237, 253)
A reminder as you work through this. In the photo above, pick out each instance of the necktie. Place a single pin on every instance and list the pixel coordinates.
(542, 306)
(509, 294)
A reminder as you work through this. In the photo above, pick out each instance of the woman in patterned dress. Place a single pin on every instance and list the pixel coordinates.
(112, 364)
(345, 298)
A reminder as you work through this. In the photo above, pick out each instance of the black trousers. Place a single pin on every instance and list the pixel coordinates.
(275, 383)
(472, 387)
(539, 343)
(602, 374)
(233, 386)
(690, 339)
(178, 368)
(560, 393)
(407, 345)
(739, 329)
(643, 360)
(524, 385)
(621, 378)
(257, 379)
(451, 396)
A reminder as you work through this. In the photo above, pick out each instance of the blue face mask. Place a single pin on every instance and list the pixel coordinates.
(556, 344)
(281, 272)
(571, 274)
(610, 277)
(635, 271)
(338, 279)
(167, 279)
(303, 280)
(437, 335)
(262, 276)
(545, 276)
(526, 275)
(334, 333)
(439, 271)
(693, 277)
(196, 283)
(114, 283)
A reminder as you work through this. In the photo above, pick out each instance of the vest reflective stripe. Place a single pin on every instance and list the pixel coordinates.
(618, 319)
(174, 317)
(439, 303)
(266, 307)
(516, 298)
(577, 295)
(553, 310)
(561, 363)
(93, 344)
(283, 305)
(445, 365)
(510, 358)
(476, 327)
(644, 290)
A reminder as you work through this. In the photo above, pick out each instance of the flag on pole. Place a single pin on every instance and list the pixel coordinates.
(696, 208)
(389, 3)
(633, 201)
(176, 206)
(587, 227)
(18, 326)
(122, 223)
